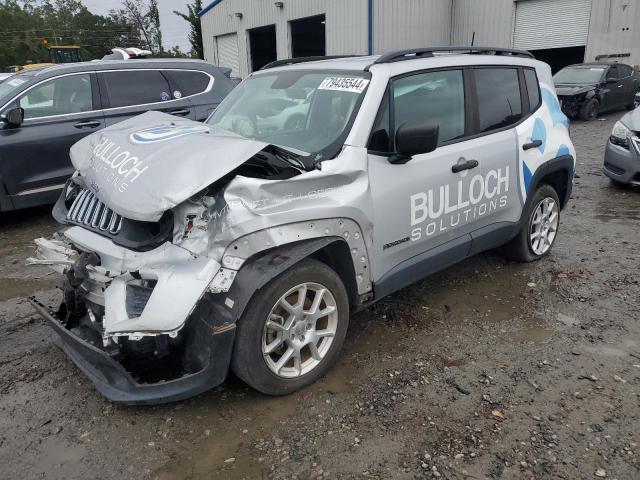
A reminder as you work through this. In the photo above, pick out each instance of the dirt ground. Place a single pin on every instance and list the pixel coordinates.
(489, 369)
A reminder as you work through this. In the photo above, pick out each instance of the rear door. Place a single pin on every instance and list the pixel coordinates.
(57, 113)
(127, 93)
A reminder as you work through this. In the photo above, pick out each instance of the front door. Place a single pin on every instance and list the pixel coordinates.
(426, 209)
(35, 156)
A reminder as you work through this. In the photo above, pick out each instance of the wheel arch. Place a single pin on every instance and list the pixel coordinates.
(558, 173)
(264, 266)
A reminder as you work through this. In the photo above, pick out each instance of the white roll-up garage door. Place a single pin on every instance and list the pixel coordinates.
(551, 23)
(227, 52)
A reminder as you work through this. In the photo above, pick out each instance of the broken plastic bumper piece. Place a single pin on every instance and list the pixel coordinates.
(213, 346)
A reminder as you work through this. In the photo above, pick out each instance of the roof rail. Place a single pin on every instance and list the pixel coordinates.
(414, 53)
(293, 61)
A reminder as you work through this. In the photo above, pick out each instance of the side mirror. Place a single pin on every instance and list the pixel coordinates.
(415, 139)
(611, 80)
(14, 117)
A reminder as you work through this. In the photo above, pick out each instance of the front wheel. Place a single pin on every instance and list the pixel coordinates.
(590, 110)
(539, 232)
(292, 330)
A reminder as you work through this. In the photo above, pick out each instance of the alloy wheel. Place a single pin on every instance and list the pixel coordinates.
(543, 226)
(299, 330)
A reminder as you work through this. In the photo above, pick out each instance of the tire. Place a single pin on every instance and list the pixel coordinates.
(589, 110)
(254, 336)
(522, 248)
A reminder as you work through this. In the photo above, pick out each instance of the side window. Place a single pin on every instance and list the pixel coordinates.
(431, 97)
(533, 88)
(613, 72)
(190, 82)
(499, 102)
(59, 96)
(136, 87)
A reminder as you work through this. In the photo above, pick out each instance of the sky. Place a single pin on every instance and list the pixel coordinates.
(175, 30)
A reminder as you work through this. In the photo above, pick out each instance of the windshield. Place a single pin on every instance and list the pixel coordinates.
(12, 83)
(581, 75)
(303, 110)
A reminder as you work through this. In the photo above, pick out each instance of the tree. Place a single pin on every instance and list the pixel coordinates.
(146, 17)
(195, 34)
(28, 26)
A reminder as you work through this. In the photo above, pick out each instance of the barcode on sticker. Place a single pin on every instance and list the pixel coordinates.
(344, 84)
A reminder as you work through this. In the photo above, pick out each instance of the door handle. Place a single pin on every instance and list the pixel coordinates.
(88, 123)
(533, 144)
(620, 86)
(468, 165)
(183, 111)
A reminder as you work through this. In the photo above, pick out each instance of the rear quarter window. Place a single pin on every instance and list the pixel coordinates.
(499, 101)
(533, 88)
(190, 82)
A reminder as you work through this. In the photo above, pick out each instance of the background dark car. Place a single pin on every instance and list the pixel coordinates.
(66, 102)
(588, 89)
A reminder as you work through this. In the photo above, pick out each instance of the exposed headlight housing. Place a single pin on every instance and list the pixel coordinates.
(621, 135)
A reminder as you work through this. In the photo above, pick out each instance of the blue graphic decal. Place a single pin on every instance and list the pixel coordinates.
(539, 133)
(527, 176)
(161, 133)
(563, 150)
(554, 107)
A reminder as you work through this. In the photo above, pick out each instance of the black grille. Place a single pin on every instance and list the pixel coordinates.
(89, 211)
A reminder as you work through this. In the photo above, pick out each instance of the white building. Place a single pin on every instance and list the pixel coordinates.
(246, 34)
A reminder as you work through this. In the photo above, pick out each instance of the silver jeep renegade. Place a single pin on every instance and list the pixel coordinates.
(315, 189)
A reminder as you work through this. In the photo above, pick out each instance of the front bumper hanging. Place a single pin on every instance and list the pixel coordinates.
(209, 344)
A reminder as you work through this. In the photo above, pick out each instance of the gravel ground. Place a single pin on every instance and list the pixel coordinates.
(489, 369)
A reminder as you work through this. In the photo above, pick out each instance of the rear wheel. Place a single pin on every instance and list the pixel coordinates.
(589, 110)
(539, 232)
(292, 330)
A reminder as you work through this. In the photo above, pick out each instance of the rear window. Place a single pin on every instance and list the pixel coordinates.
(533, 88)
(136, 87)
(190, 82)
(499, 101)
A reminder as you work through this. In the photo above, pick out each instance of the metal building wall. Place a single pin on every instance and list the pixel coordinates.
(492, 20)
(346, 25)
(399, 24)
(614, 28)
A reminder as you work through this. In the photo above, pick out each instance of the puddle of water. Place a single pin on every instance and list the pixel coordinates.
(18, 287)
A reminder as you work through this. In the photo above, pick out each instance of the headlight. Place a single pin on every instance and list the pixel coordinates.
(621, 135)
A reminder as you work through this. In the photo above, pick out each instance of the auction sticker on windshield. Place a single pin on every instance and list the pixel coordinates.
(344, 84)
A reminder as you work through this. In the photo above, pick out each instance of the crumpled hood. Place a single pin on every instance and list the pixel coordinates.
(566, 90)
(148, 164)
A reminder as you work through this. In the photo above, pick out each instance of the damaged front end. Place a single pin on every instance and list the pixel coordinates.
(139, 324)
(138, 316)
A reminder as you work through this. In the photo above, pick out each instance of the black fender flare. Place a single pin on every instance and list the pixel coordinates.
(563, 162)
(228, 307)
